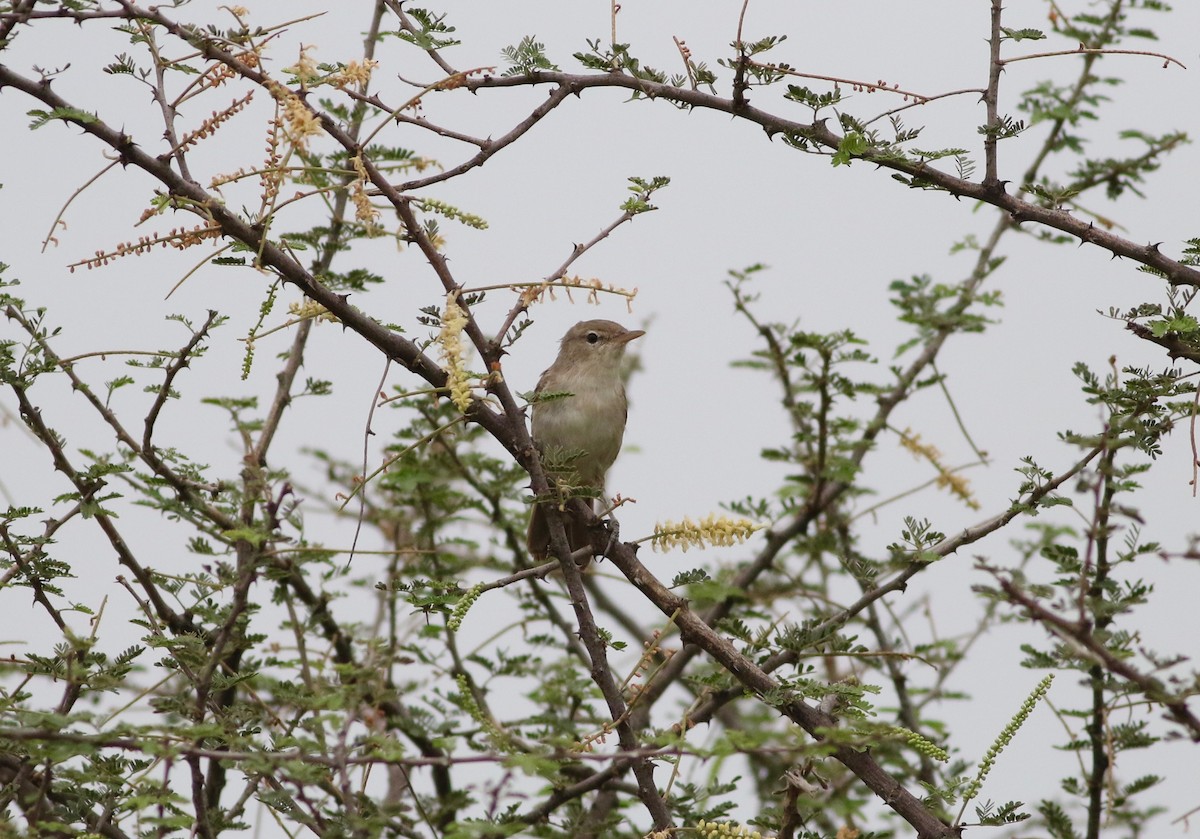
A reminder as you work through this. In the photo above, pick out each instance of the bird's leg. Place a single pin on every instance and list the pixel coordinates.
(614, 526)
(614, 533)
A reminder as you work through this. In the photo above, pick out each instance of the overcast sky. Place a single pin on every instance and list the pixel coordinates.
(833, 240)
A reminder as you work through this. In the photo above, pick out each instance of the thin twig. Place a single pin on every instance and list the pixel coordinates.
(868, 87)
(1082, 50)
(553, 278)
(1081, 638)
(991, 98)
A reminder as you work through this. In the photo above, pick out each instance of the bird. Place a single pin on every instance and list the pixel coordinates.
(578, 424)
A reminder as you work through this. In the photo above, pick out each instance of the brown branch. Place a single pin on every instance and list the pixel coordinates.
(188, 490)
(271, 255)
(172, 743)
(32, 791)
(601, 673)
(343, 654)
(169, 114)
(991, 99)
(181, 360)
(887, 403)
(179, 624)
(869, 87)
(1082, 50)
(899, 582)
(525, 299)
(407, 25)
(1019, 210)
(1079, 635)
(397, 115)
(694, 630)
(22, 11)
(1173, 342)
(926, 101)
(34, 581)
(491, 147)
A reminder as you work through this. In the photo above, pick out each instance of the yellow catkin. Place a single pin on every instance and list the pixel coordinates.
(714, 530)
(450, 340)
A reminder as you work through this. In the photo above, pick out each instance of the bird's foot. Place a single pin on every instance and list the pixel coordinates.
(614, 526)
(614, 533)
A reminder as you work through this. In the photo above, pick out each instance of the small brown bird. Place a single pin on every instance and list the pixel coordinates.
(579, 428)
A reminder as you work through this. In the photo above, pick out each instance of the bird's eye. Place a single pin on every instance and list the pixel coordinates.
(592, 337)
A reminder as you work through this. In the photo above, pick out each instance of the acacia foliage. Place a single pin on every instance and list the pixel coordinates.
(258, 691)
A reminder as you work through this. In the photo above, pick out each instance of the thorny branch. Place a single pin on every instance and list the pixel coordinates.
(507, 425)
(1080, 638)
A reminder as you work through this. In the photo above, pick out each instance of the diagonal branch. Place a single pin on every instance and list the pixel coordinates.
(819, 134)
(1079, 636)
(695, 631)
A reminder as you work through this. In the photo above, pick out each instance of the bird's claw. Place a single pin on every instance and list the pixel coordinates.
(614, 533)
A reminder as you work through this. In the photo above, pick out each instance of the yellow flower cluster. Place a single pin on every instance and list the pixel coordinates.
(301, 122)
(364, 211)
(309, 308)
(305, 69)
(463, 606)
(434, 205)
(1005, 737)
(450, 340)
(179, 238)
(946, 479)
(534, 292)
(218, 118)
(719, 531)
(920, 743)
(357, 73)
(716, 830)
(308, 72)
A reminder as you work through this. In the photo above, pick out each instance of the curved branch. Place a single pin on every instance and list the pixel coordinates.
(490, 147)
(693, 630)
(817, 133)
(1080, 637)
(395, 346)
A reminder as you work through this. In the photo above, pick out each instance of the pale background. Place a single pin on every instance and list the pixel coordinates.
(833, 238)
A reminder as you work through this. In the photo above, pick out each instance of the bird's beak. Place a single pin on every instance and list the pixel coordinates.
(626, 337)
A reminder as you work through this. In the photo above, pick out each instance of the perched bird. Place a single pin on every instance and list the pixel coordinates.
(579, 421)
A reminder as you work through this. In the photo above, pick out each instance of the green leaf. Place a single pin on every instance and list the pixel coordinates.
(853, 145)
(40, 117)
(1023, 34)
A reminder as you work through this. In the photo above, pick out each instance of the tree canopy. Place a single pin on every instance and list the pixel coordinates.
(272, 528)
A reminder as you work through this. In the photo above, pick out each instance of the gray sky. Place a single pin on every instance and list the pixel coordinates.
(833, 238)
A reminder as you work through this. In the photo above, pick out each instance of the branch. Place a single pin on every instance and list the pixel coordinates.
(694, 630)
(179, 624)
(526, 297)
(991, 99)
(1175, 344)
(491, 147)
(271, 256)
(1079, 635)
(1082, 50)
(601, 673)
(1019, 210)
(407, 25)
